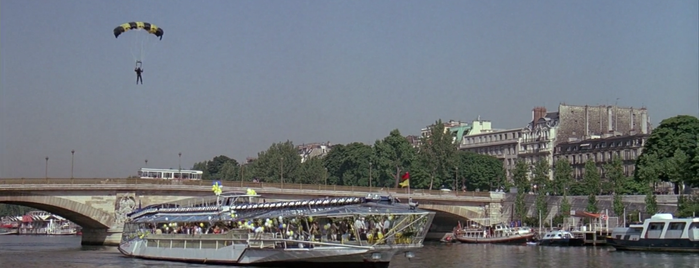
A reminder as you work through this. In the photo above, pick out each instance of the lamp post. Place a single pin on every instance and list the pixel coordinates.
(46, 170)
(146, 162)
(72, 161)
(326, 178)
(179, 169)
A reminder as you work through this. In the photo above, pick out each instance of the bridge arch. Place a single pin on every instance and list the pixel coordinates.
(81, 214)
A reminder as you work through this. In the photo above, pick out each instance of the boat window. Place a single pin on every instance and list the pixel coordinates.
(677, 226)
(675, 230)
(654, 229)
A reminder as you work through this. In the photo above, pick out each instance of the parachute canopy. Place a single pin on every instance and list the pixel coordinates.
(150, 28)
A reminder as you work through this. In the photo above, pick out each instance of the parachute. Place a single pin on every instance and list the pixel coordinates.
(140, 37)
(150, 28)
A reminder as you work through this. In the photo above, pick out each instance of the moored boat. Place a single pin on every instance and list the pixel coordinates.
(561, 238)
(236, 229)
(497, 234)
(662, 232)
(8, 231)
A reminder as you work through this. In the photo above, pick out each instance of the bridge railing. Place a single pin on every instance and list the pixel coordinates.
(287, 186)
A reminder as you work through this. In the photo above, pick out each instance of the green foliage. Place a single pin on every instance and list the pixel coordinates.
(219, 168)
(591, 203)
(392, 157)
(437, 155)
(522, 183)
(312, 171)
(565, 207)
(618, 205)
(478, 171)
(651, 203)
(280, 160)
(688, 206)
(349, 165)
(671, 154)
(562, 177)
(591, 178)
(542, 183)
(13, 210)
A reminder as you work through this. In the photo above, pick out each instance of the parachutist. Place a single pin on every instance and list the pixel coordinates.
(138, 71)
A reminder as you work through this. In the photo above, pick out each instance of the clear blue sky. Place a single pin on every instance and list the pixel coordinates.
(233, 77)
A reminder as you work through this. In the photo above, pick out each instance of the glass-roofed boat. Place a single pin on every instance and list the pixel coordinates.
(238, 229)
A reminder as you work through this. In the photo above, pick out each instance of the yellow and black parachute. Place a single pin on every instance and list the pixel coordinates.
(150, 28)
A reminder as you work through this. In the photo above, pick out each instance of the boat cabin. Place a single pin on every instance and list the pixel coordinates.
(661, 226)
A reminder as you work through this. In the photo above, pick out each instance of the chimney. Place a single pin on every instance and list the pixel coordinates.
(538, 113)
(587, 123)
(644, 122)
(631, 115)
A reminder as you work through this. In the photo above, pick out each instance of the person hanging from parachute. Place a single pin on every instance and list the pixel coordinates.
(139, 25)
(138, 71)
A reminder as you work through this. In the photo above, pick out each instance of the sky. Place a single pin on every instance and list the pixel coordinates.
(233, 77)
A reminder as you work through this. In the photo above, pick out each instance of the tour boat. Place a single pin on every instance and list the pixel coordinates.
(498, 234)
(237, 229)
(662, 232)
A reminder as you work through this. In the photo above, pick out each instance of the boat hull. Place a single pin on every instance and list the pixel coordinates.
(241, 255)
(514, 239)
(667, 245)
(572, 242)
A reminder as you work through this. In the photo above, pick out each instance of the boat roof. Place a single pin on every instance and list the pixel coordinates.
(326, 207)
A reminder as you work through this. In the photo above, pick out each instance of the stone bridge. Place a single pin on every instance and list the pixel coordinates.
(100, 205)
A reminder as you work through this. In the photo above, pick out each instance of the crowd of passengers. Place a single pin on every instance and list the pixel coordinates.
(299, 229)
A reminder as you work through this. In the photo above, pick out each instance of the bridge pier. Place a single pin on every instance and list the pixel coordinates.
(101, 237)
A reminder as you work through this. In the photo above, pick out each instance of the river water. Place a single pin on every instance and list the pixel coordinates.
(66, 251)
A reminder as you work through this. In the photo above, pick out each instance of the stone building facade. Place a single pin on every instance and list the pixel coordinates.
(602, 150)
(503, 144)
(565, 133)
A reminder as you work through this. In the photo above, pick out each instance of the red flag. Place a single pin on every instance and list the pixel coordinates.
(405, 176)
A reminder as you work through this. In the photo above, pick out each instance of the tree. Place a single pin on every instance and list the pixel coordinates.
(349, 164)
(438, 153)
(675, 133)
(392, 155)
(312, 171)
(479, 171)
(542, 183)
(562, 176)
(591, 178)
(229, 171)
(614, 172)
(521, 182)
(565, 207)
(651, 202)
(281, 160)
(591, 181)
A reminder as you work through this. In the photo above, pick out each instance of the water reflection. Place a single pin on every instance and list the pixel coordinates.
(65, 251)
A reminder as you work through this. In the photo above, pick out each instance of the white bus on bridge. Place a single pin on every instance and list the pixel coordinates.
(169, 174)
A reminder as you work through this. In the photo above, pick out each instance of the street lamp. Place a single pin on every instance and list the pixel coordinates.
(72, 158)
(326, 178)
(180, 165)
(46, 170)
(146, 162)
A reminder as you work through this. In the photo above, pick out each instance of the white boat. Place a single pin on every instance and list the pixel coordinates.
(560, 238)
(236, 229)
(662, 232)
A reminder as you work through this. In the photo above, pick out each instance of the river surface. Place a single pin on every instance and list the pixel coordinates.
(66, 251)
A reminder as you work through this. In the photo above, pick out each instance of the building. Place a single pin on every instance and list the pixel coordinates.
(457, 128)
(502, 144)
(549, 135)
(602, 150)
(539, 138)
(306, 151)
(581, 132)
